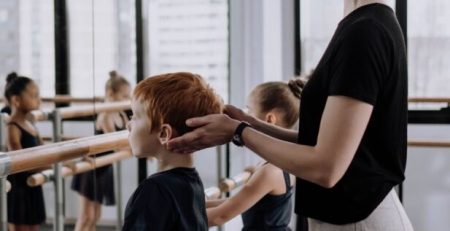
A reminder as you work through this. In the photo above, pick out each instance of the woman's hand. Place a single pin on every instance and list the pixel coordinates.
(237, 113)
(211, 130)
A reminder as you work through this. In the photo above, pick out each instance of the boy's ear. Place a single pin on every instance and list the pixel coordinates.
(165, 133)
(271, 118)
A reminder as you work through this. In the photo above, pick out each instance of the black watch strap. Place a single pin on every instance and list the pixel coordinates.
(237, 137)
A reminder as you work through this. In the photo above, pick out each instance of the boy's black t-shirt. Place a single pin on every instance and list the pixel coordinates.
(169, 200)
(365, 60)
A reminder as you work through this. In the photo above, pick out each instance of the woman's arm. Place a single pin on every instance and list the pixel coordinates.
(266, 128)
(343, 124)
(260, 184)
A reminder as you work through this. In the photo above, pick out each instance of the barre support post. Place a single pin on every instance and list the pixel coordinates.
(58, 180)
(118, 193)
(5, 162)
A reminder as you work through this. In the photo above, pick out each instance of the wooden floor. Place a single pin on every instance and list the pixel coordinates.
(71, 228)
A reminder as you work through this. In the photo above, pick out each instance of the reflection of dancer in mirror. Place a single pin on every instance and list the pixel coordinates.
(265, 200)
(26, 208)
(96, 187)
(350, 150)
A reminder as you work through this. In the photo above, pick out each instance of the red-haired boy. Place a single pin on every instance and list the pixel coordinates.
(172, 199)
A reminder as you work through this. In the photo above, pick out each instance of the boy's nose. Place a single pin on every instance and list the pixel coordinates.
(128, 126)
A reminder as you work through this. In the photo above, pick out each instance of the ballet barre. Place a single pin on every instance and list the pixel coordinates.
(32, 158)
(227, 185)
(429, 100)
(63, 138)
(78, 167)
(89, 110)
(212, 193)
(7, 186)
(428, 143)
(70, 99)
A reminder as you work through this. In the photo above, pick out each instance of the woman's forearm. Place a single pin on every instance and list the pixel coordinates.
(300, 160)
(274, 131)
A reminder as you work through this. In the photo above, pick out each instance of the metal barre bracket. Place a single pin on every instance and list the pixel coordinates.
(5, 164)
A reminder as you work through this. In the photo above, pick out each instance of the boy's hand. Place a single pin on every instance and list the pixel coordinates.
(211, 130)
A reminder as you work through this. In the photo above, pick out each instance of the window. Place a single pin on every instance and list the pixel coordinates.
(27, 41)
(189, 36)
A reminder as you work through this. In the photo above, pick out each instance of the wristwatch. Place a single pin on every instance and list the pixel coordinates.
(237, 137)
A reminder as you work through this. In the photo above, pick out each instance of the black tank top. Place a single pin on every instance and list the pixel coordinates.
(272, 212)
(27, 140)
(100, 132)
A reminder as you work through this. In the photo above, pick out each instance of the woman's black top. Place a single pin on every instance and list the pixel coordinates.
(366, 61)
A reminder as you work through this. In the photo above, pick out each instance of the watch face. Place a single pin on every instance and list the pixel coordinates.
(237, 140)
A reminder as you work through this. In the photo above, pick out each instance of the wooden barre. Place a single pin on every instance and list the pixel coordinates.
(89, 110)
(32, 158)
(78, 167)
(227, 185)
(36, 115)
(212, 193)
(8, 186)
(70, 99)
(429, 143)
(428, 100)
(64, 138)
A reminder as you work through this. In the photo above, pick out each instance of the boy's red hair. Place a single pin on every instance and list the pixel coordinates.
(175, 97)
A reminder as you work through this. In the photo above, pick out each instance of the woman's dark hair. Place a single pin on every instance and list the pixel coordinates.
(15, 85)
(282, 96)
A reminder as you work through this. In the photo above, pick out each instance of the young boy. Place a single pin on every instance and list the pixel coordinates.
(173, 198)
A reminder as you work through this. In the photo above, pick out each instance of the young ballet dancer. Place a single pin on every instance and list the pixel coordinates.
(26, 208)
(265, 200)
(173, 198)
(96, 187)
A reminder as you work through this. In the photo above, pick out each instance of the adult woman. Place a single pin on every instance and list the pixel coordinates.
(351, 147)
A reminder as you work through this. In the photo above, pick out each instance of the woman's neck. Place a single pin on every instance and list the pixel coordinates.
(351, 5)
(169, 160)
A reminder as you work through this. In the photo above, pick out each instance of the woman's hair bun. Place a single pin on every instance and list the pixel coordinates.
(296, 85)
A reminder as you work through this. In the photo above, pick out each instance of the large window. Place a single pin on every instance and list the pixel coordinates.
(428, 48)
(102, 39)
(318, 22)
(27, 41)
(189, 36)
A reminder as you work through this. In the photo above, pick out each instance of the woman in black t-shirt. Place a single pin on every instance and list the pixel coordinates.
(351, 148)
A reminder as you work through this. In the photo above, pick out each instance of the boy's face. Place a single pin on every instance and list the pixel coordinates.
(143, 142)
